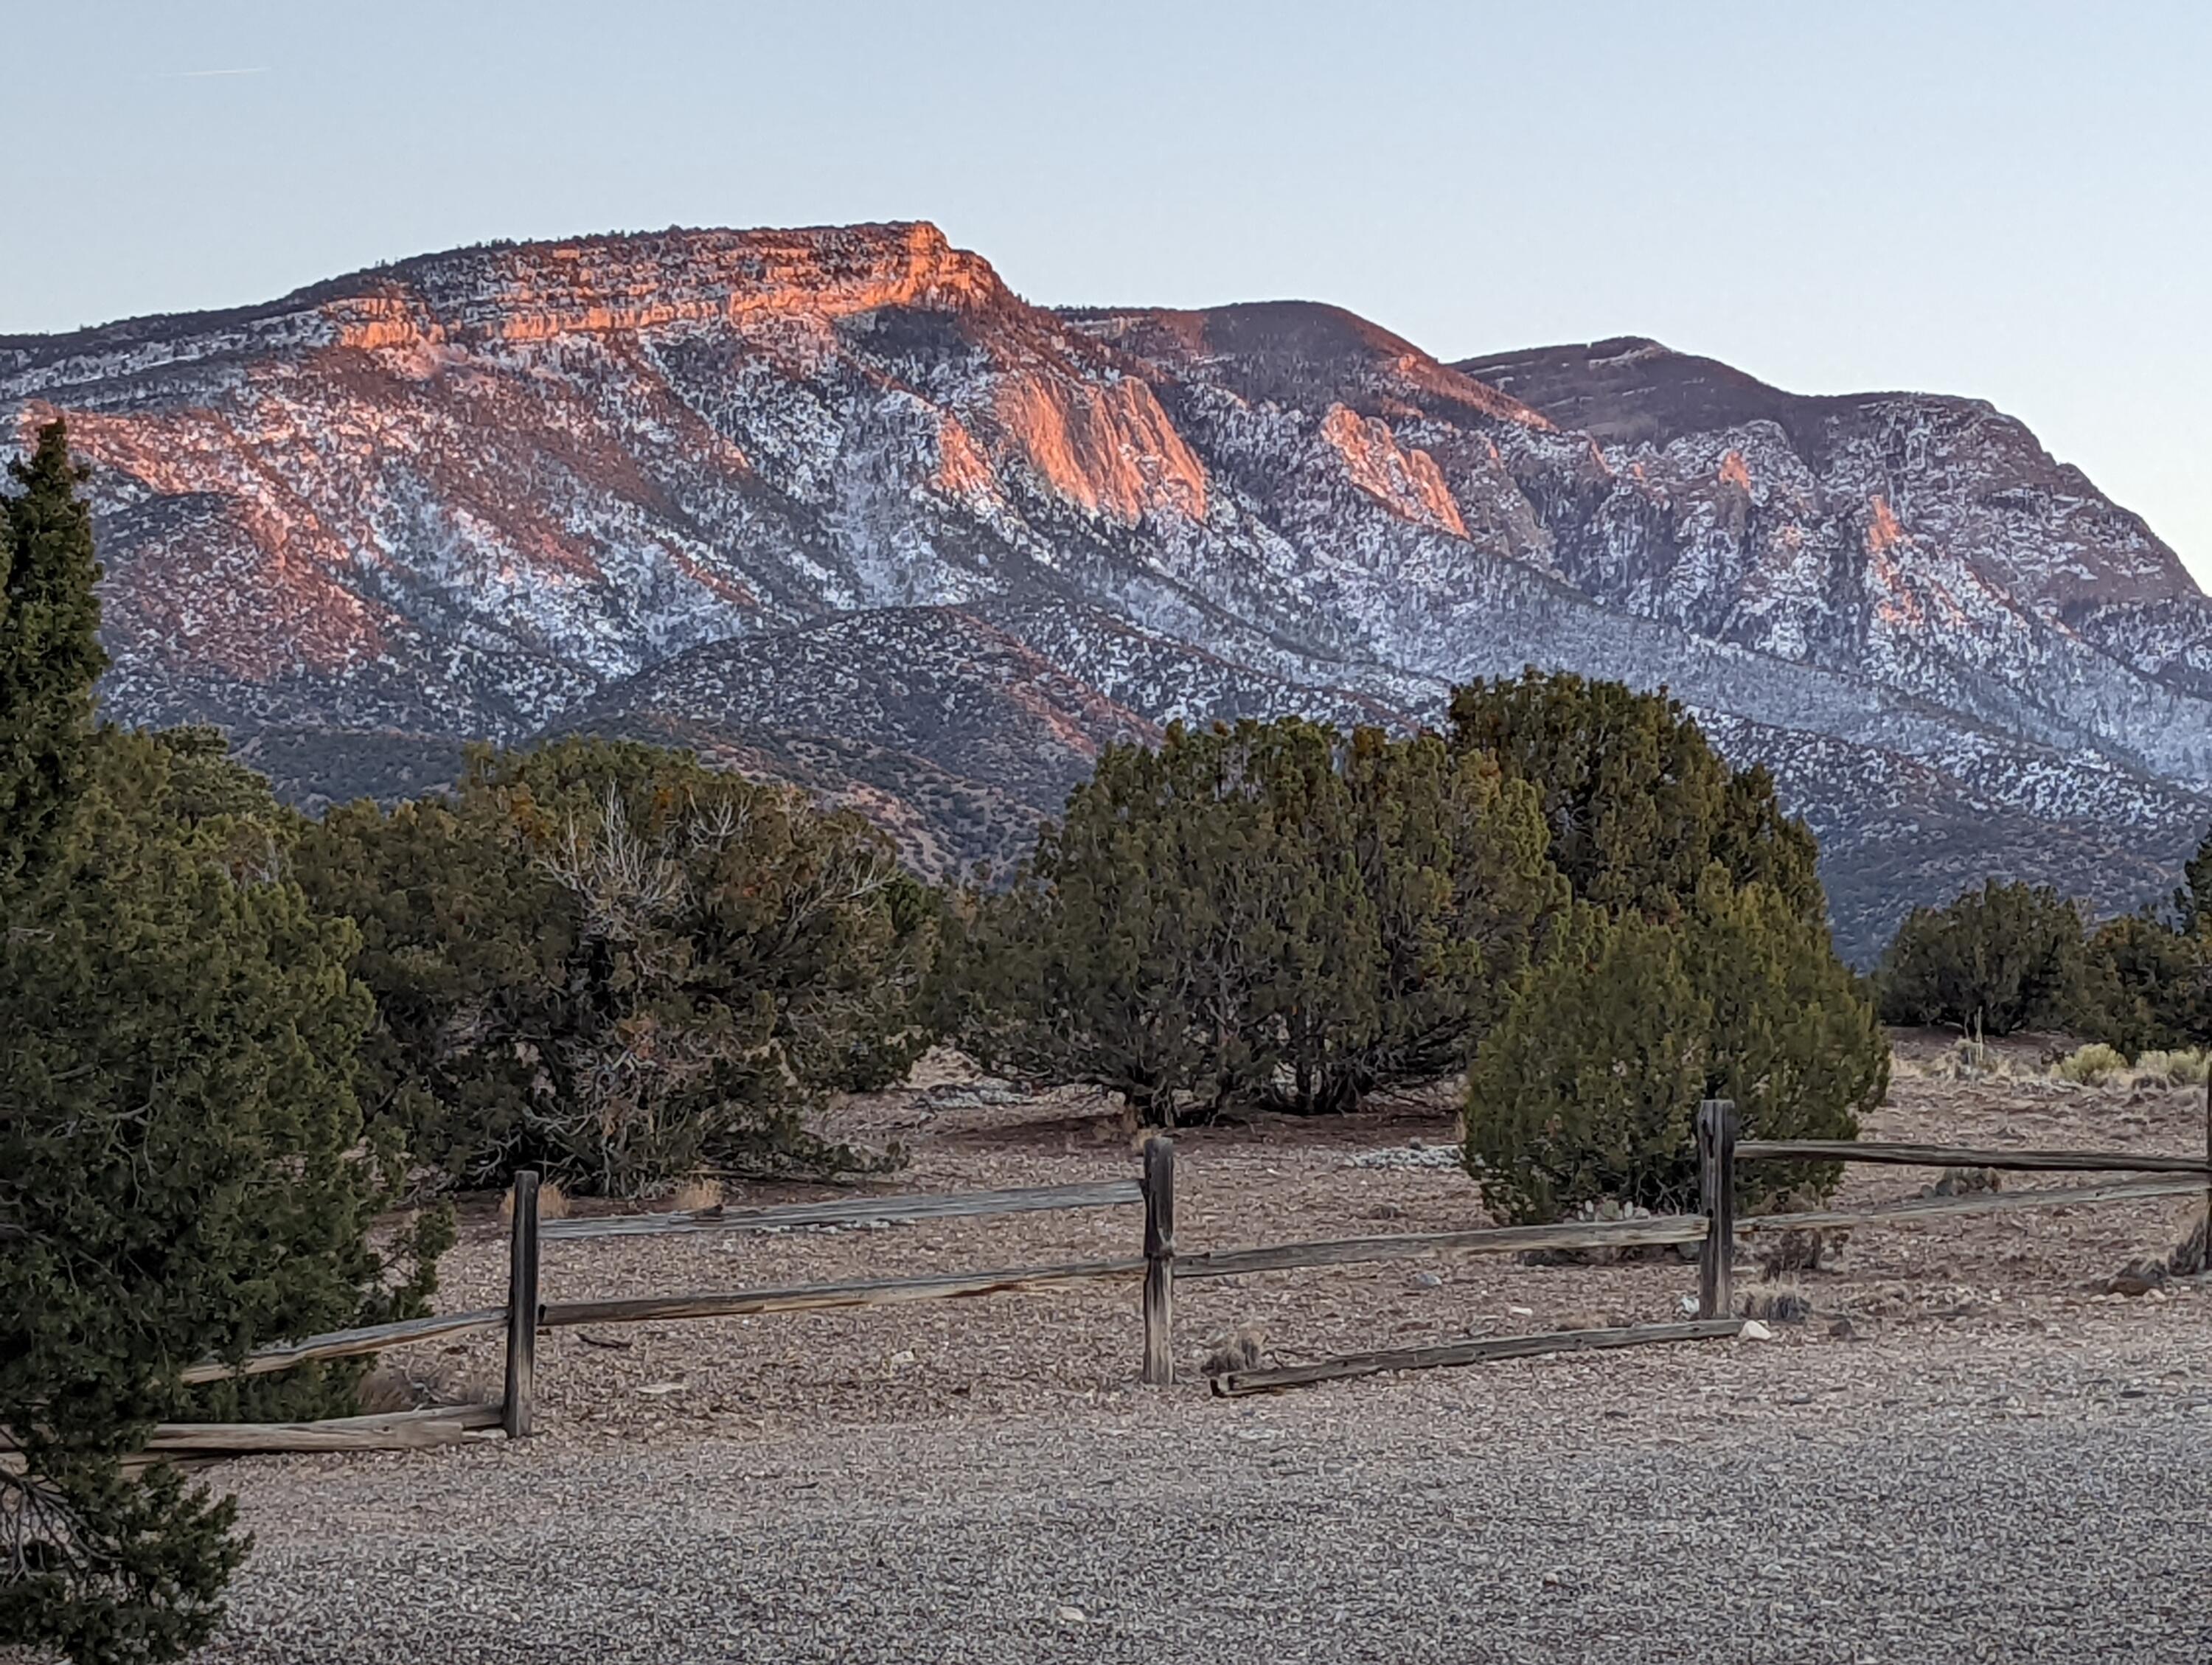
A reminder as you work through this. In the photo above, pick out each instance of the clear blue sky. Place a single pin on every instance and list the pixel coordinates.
(2008, 200)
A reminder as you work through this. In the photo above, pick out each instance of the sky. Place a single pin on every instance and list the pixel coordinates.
(2011, 201)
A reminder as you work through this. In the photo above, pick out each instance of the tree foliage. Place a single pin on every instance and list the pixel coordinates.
(1699, 963)
(2147, 985)
(182, 1165)
(1271, 914)
(1637, 805)
(1588, 1092)
(2005, 957)
(613, 963)
(50, 653)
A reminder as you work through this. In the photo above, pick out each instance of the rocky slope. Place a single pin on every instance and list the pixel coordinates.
(837, 505)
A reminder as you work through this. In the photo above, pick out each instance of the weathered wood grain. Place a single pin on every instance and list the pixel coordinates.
(1159, 1262)
(521, 1395)
(1963, 1156)
(818, 1298)
(852, 1211)
(400, 1431)
(1649, 1232)
(1469, 1353)
(392, 1431)
(347, 1344)
(1716, 1149)
(1988, 1202)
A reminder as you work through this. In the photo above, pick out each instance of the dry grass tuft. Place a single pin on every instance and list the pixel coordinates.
(387, 1389)
(552, 1203)
(1964, 1183)
(1785, 1303)
(1241, 1349)
(1799, 1251)
(1968, 1060)
(694, 1196)
(392, 1386)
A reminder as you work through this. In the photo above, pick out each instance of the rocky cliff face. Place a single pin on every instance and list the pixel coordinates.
(836, 504)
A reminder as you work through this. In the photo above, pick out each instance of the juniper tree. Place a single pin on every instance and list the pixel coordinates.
(50, 653)
(1659, 835)
(1636, 803)
(2148, 984)
(1270, 915)
(615, 964)
(1588, 1090)
(182, 1167)
(2004, 957)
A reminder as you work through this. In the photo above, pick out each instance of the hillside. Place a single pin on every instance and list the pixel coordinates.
(837, 505)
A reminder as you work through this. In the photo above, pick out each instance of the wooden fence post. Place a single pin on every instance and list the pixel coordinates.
(1717, 1126)
(1159, 1261)
(522, 1310)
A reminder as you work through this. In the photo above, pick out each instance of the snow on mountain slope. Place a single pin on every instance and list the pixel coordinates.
(836, 504)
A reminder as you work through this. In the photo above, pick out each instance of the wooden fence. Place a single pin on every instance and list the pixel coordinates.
(1159, 1268)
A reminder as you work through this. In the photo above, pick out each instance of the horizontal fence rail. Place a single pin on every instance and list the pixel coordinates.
(1963, 1156)
(347, 1344)
(392, 1430)
(852, 1211)
(1486, 1240)
(1986, 1202)
(1482, 1351)
(826, 1298)
(1715, 1229)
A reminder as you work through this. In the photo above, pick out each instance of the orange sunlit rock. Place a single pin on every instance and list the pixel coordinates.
(1882, 530)
(1405, 480)
(1110, 450)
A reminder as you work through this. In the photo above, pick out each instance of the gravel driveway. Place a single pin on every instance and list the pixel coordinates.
(2013, 1499)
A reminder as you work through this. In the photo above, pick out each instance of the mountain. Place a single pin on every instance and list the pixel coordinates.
(837, 505)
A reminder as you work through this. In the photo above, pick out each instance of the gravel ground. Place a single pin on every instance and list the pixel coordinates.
(1736, 1502)
(1967, 1451)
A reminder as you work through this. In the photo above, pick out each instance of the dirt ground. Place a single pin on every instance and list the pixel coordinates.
(1956, 1384)
(1271, 1181)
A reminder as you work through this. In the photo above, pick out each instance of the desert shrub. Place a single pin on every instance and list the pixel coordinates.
(2000, 959)
(1272, 914)
(2187, 1067)
(1637, 805)
(1790, 1252)
(1588, 1088)
(1797, 1042)
(2092, 1065)
(2148, 982)
(2192, 902)
(614, 963)
(182, 1164)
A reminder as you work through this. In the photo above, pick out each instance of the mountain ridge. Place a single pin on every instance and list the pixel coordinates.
(507, 491)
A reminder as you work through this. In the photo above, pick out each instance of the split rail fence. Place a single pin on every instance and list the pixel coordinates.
(1159, 1268)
